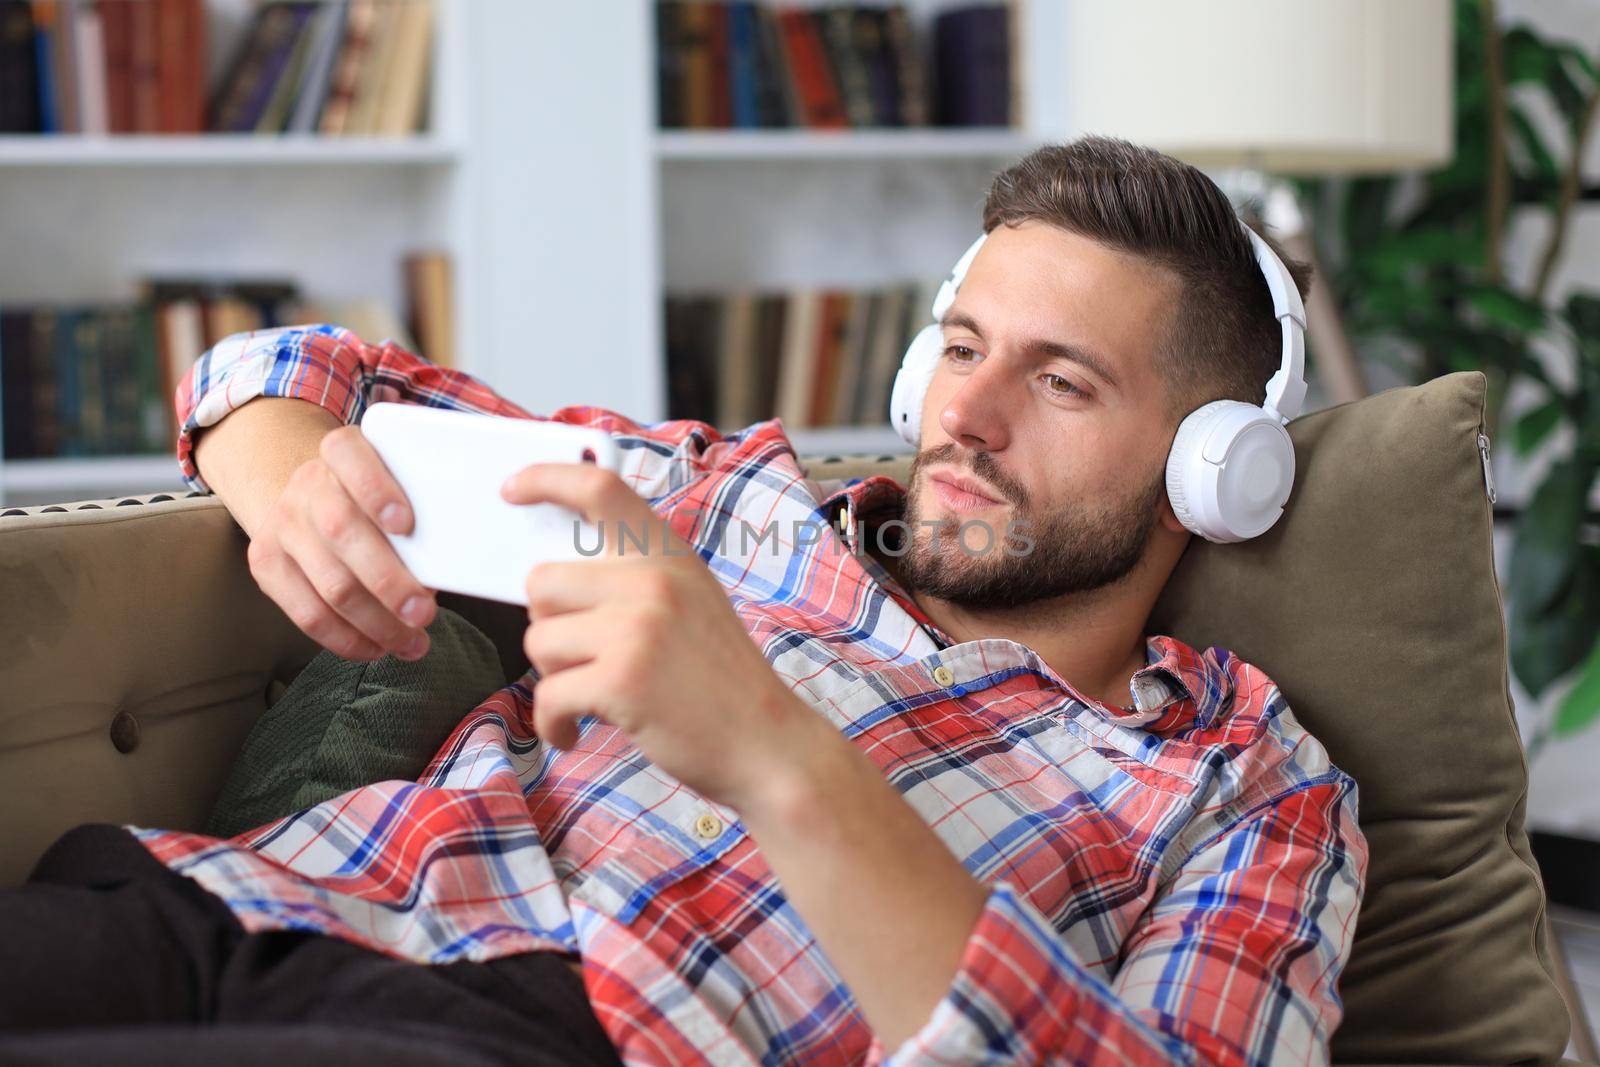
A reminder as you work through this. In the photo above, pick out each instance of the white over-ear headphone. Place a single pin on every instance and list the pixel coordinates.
(1231, 465)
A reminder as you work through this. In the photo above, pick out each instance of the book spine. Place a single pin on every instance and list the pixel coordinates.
(910, 70)
(400, 109)
(66, 74)
(835, 26)
(694, 21)
(46, 386)
(743, 55)
(353, 52)
(319, 78)
(717, 65)
(669, 65)
(44, 23)
(116, 18)
(775, 88)
(819, 96)
(157, 415)
(89, 62)
(145, 74)
(16, 386)
(19, 72)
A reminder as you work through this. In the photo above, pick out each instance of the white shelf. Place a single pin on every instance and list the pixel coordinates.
(847, 440)
(883, 144)
(221, 149)
(118, 474)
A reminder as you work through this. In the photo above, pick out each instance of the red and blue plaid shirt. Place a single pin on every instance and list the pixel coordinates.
(1176, 881)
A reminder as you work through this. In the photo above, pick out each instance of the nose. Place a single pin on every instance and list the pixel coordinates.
(975, 415)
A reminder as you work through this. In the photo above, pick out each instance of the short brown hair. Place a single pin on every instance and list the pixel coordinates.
(1222, 341)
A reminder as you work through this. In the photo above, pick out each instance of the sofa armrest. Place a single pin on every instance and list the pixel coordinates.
(136, 651)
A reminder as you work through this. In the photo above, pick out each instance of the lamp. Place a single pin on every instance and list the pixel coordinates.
(1283, 87)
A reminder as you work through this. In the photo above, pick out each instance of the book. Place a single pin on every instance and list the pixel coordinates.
(669, 64)
(64, 51)
(16, 385)
(400, 103)
(116, 19)
(375, 71)
(46, 385)
(797, 360)
(19, 71)
(775, 91)
(430, 295)
(353, 51)
(144, 67)
(44, 18)
(735, 366)
(870, 30)
(275, 115)
(257, 64)
(907, 61)
(853, 358)
(972, 49)
(716, 23)
(694, 36)
(820, 104)
(836, 29)
(88, 65)
(743, 56)
(885, 349)
(313, 90)
(691, 328)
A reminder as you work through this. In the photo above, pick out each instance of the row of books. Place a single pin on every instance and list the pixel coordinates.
(99, 380)
(746, 64)
(812, 357)
(337, 67)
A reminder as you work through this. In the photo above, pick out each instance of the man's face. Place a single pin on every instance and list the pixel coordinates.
(1046, 412)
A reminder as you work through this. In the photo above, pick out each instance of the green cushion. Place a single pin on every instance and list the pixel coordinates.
(1373, 604)
(343, 723)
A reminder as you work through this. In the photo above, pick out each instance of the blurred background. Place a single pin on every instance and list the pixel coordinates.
(736, 210)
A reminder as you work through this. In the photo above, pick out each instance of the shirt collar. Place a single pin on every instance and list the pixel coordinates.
(1178, 685)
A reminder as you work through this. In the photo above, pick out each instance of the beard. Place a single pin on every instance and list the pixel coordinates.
(1075, 549)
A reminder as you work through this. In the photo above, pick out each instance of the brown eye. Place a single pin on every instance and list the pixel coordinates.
(1061, 386)
(960, 353)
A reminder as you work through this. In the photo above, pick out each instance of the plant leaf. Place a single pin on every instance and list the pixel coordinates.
(1581, 705)
(1545, 549)
(1535, 426)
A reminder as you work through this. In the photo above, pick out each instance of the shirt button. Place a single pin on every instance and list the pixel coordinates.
(708, 826)
(943, 675)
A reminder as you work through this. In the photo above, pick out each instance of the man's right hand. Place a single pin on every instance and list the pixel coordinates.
(319, 552)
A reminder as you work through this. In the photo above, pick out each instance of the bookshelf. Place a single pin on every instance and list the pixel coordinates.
(783, 209)
(94, 214)
(567, 213)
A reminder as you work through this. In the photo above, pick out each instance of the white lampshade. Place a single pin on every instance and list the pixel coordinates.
(1286, 86)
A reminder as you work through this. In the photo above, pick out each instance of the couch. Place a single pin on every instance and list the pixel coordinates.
(136, 651)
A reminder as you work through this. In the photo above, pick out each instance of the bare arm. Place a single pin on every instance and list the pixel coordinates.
(248, 457)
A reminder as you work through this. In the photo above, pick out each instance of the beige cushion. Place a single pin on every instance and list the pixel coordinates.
(1373, 604)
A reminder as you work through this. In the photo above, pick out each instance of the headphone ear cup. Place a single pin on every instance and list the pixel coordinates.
(911, 382)
(1230, 471)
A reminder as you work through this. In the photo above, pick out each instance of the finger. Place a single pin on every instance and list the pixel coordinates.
(287, 586)
(342, 591)
(566, 641)
(365, 476)
(557, 587)
(561, 699)
(593, 492)
(351, 536)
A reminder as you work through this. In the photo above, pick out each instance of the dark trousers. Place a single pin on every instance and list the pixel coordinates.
(107, 957)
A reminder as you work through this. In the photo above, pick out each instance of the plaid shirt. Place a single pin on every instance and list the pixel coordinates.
(1172, 882)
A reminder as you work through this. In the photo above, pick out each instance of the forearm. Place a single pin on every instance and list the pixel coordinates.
(247, 457)
(889, 903)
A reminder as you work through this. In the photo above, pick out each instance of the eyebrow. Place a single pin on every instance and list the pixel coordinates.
(1053, 349)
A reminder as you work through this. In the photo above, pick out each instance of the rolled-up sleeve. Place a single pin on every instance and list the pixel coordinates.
(327, 365)
(1236, 961)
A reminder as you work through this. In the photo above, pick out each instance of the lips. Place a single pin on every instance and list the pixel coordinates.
(961, 494)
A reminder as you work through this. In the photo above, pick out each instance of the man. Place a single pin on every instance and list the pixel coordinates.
(907, 804)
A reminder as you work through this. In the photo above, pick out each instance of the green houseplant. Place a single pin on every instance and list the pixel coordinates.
(1417, 265)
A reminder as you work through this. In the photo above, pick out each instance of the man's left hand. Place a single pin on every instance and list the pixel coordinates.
(648, 642)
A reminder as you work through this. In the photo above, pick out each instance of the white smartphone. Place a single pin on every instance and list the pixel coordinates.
(465, 537)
